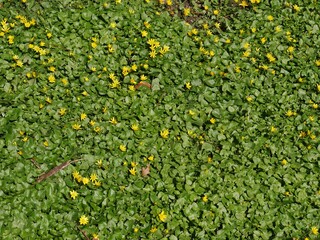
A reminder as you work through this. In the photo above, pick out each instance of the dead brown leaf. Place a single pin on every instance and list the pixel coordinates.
(145, 171)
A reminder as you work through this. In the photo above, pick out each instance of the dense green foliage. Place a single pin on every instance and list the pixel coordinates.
(189, 119)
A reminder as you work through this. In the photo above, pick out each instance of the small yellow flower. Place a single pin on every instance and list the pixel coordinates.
(62, 111)
(135, 127)
(296, 7)
(205, 198)
(133, 171)
(85, 180)
(76, 174)
(273, 129)
(153, 230)
(212, 120)
(315, 230)
(113, 121)
(99, 163)
(83, 220)
(46, 143)
(164, 133)
(76, 126)
(188, 85)
(51, 79)
(151, 158)
(93, 177)
(123, 148)
(249, 98)
(270, 18)
(143, 78)
(95, 236)
(162, 216)
(144, 33)
(136, 230)
(83, 116)
(73, 194)
(284, 162)
(215, 12)
(97, 183)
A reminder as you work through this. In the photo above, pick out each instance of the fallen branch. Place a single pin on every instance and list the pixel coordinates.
(34, 162)
(84, 233)
(55, 170)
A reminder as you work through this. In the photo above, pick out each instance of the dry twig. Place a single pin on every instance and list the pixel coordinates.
(55, 170)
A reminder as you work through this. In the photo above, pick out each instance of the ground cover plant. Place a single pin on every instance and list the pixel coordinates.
(159, 119)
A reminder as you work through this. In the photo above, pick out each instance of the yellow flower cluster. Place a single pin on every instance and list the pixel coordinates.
(115, 82)
(25, 21)
(85, 180)
(38, 49)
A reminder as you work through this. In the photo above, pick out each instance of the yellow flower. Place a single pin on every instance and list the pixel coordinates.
(212, 120)
(52, 69)
(99, 163)
(153, 230)
(273, 129)
(284, 162)
(97, 183)
(270, 18)
(318, 62)
(135, 230)
(76, 126)
(135, 127)
(76, 174)
(143, 77)
(46, 143)
(62, 111)
(95, 236)
(83, 220)
(73, 194)
(249, 99)
(151, 158)
(162, 216)
(315, 106)
(144, 33)
(186, 11)
(216, 12)
(85, 180)
(152, 54)
(19, 63)
(83, 116)
(290, 49)
(188, 85)
(315, 230)
(64, 81)
(263, 40)
(51, 79)
(205, 198)
(123, 148)
(93, 177)
(296, 7)
(164, 133)
(97, 129)
(113, 121)
(133, 171)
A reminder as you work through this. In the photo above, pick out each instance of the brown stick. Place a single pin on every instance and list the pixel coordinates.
(55, 170)
(148, 85)
(34, 162)
(84, 233)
